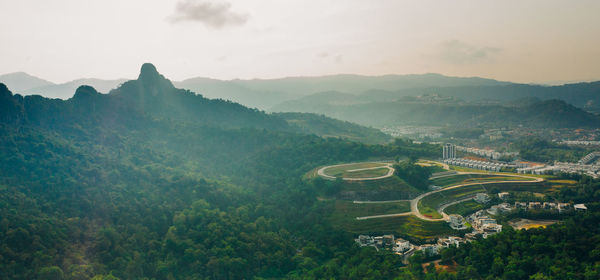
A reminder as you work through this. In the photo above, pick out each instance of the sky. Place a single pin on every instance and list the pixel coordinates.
(520, 41)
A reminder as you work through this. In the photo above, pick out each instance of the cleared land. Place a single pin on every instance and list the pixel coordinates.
(458, 179)
(346, 211)
(404, 226)
(390, 188)
(340, 170)
(464, 208)
(365, 173)
(527, 224)
(428, 205)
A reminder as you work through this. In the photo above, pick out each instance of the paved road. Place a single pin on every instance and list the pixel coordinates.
(443, 207)
(384, 216)
(378, 201)
(415, 202)
(414, 209)
(391, 170)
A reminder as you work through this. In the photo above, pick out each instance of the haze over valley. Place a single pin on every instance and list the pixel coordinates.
(204, 139)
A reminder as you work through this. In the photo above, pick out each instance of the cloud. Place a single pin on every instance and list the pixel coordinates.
(214, 15)
(336, 58)
(457, 52)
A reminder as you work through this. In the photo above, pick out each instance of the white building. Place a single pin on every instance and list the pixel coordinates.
(456, 222)
(401, 246)
(580, 207)
(503, 195)
(449, 151)
(482, 197)
(430, 249)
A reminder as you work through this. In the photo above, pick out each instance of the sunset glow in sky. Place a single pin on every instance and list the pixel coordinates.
(521, 41)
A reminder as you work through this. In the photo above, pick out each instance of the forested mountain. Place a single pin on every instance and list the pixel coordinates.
(437, 110)
(154, 182)
(328, 127)
(267, 93)
(583, 95)
(286, 93)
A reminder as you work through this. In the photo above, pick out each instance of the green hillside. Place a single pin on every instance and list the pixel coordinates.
(153, 182)
(328, 127)
(439, 111)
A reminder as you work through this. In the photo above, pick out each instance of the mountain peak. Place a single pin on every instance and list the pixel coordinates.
(148, 72)
(3, 88)
(85, 92)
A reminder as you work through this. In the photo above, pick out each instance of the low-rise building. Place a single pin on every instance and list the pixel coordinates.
(535, 205)
(503, 195)
(549, 205)
(456, 222)
(563, 207)
(491, 228)
(482, 198)
(579, 207)
(430, 250)
(450, 240)
(388, 240)
(401, 246)
(365, 240)
(520, 205)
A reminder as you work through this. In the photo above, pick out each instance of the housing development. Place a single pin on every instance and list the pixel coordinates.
(466, 194)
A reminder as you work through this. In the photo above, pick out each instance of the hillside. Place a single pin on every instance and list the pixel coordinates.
(439, 110)
(328, 127)
(267, 93)
(154, 182)
(582, 95)
(20, 81)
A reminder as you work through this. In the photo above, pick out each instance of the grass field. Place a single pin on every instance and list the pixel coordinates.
(391, 188)
(429, 204)
(527, 224)
(347, 211)
(463, 169)
(370, 173)
(337, 171)
(472, 178)
(432, 166)
(404, 226)
(563, 182)
(464, 208)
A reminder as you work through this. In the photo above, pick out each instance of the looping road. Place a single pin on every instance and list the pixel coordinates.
(391, 170)
(414, 204)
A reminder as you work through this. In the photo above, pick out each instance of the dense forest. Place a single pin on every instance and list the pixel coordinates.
(540, 150)
(153, 182)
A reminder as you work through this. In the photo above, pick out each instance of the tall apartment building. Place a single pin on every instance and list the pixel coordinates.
(449, 151)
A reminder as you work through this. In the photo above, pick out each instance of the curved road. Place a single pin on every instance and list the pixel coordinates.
(391, 170)
(415, 202)
(414, 209)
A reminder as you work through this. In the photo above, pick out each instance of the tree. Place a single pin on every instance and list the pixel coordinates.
(51, 273)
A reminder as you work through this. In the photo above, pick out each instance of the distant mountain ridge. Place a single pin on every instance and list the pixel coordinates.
(438, 111)
(26, 84)
(152, 97)
(267, 93)
(261, 93)
(21, 81)
(279, 94)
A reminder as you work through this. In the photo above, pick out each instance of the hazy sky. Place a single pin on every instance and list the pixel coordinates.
(523, 41)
